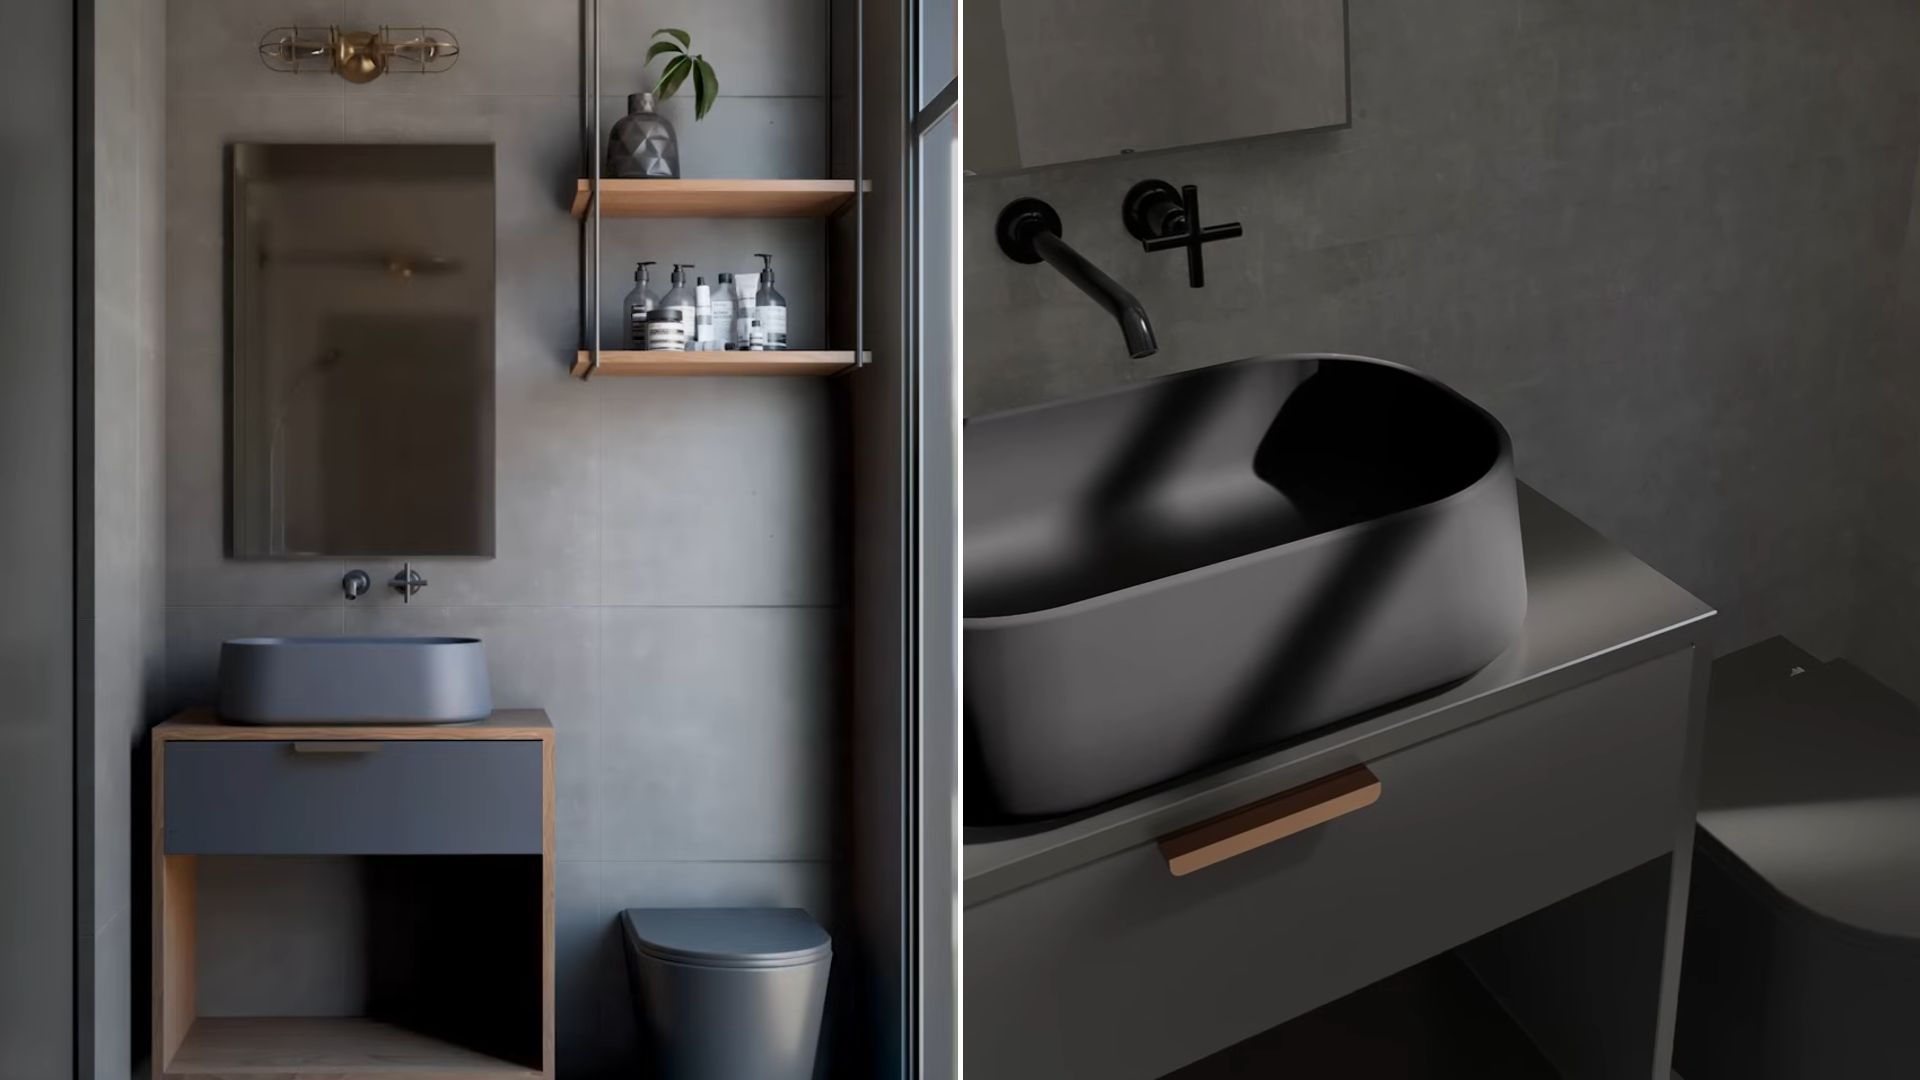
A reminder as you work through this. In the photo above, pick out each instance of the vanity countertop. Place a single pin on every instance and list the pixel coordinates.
(1593, 609)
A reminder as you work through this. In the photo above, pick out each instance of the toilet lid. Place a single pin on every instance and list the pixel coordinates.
(728, 937)
(1812, 780)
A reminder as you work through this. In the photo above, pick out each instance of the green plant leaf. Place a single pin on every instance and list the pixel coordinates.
(670, 79)
(686, 39)
(661, 47)
(706, 88)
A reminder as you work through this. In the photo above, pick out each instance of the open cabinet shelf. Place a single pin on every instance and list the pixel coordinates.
(315, 1046)
(666, 362)
(714, 198)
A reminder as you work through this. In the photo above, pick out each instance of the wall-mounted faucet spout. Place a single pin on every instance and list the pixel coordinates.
(1029, 232)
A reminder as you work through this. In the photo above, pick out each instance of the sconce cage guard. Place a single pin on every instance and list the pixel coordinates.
(359, 56)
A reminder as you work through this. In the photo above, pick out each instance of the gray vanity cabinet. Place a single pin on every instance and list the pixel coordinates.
(448, 832)
(1534, 820)
(1120, 970)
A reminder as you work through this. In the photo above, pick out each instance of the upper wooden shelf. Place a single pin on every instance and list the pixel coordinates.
(714, 198)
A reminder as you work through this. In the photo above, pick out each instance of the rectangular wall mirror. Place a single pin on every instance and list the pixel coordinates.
(360, 344)
(1050, 81)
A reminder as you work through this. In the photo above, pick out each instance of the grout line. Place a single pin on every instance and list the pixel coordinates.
(342, 605)
(723, 607)
(424, 96)
(820, 861)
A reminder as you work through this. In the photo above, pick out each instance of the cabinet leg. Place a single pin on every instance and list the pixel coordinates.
(174, 979)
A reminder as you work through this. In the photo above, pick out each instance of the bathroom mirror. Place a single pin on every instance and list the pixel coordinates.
(360, 343)
(1050, 81)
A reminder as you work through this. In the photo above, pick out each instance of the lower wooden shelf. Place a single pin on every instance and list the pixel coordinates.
(665, 362)
(336, 1048)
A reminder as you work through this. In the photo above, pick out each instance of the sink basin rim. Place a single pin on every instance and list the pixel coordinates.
(354, 680)
(1503, 455)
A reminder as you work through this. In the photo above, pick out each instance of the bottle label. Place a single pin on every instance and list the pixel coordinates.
(773, 325)
(666, 336)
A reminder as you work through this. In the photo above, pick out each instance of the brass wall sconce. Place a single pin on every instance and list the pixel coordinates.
(359, 56)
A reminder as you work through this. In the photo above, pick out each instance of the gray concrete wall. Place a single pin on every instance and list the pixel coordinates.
(129, 491)
(1887, 633)
(46, 928)
(664, 584)
(1653, 238)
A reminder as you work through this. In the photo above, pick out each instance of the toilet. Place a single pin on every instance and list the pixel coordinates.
(1802, 953)
(728, 993)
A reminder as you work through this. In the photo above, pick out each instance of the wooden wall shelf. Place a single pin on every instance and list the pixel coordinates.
(715, 198)
(664, 362)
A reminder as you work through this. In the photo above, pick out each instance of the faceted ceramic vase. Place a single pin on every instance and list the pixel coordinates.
(643, 145)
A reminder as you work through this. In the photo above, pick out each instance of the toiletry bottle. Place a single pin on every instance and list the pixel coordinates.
(702, 314)
(743, 310)
(640, 301)
(769, 308)
(724, 299)
(680, 298)
(664, 329)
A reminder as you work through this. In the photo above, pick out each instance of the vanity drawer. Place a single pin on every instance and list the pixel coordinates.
(1120, 970)
(325, 797)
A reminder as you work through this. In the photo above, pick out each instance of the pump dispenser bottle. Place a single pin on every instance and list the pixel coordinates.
(769, 310)
(640, 301)
(680, 299)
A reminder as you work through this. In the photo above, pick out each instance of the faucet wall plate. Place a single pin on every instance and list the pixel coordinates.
(1151, 209)
(355, 583)
(1020, 221)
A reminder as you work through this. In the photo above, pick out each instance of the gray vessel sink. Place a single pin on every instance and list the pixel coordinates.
(354, 680)
(1180, 572)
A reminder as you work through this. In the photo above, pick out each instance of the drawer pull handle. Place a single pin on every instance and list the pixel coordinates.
(334, 746)
(1270, 819)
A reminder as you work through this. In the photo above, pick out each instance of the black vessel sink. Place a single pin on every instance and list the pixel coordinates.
(1178, 572)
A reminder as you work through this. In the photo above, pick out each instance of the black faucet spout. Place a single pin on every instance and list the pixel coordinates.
(1029, 232)
(1125, 307)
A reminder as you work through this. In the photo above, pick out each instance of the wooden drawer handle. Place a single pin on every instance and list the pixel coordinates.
(1270, 819)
